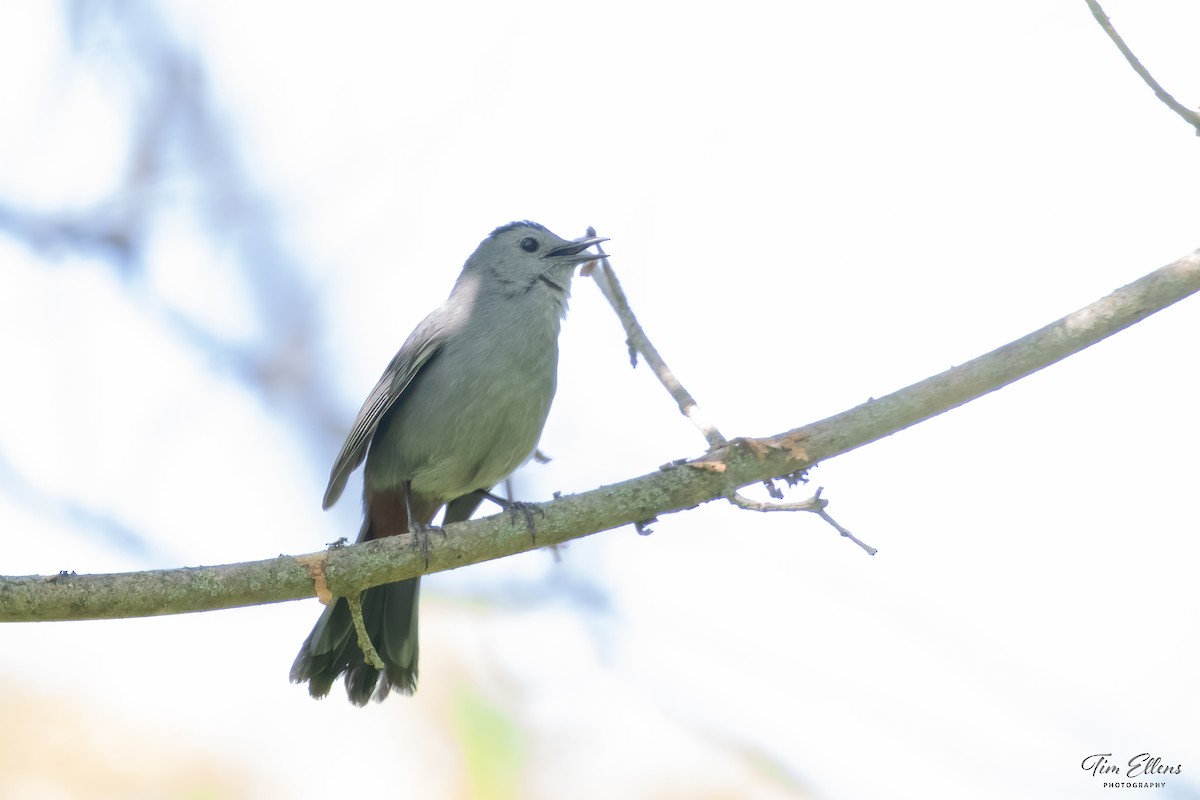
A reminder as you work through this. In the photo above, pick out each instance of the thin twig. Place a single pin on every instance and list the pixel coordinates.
(370, 654)
(814, 504)
(825, 516)
(606, 279)
(1192, 117)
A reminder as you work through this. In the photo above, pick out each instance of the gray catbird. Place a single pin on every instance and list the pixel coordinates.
(459, 408)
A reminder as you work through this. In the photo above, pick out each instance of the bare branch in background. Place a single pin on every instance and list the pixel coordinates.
(1188, 114)
(102, 524)
(181, 144)
(181, 156)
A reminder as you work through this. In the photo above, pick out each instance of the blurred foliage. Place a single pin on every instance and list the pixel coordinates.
(493, 746)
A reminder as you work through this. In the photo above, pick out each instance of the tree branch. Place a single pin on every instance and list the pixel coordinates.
(1188, 114)
(813, 505)
(678, 486)
(606, 278)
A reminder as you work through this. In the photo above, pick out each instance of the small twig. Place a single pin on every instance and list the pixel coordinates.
(825, 516)
(1192, 117)
(370, 655)
(606, 279)
(814, 504)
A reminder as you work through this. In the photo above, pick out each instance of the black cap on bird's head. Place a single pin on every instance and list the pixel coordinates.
(523, 253)
(540, 240)
(523, 223)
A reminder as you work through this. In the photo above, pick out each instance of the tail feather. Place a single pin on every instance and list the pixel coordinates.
(389, 615)
(397, 629)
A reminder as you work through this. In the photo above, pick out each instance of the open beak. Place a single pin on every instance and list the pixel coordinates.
(573, 251)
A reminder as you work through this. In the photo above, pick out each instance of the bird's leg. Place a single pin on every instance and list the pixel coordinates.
(418, 529)
(515, 507)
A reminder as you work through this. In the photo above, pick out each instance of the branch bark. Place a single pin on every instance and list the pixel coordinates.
(676, 487)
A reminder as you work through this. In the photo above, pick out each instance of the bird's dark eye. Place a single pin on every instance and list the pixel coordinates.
(529, 244)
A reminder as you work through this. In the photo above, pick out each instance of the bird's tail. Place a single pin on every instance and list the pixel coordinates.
(389, 616)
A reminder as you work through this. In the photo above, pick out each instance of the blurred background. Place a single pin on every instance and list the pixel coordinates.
(219, 220)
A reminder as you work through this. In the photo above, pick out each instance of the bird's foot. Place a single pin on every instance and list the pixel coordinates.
(527, 510)
(421, 538)
(518, 507)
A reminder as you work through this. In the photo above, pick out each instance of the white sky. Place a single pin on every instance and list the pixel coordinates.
(809, 204)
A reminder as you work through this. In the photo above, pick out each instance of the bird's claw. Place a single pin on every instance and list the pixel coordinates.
(421, 537)
(527, 510)
(515, 507)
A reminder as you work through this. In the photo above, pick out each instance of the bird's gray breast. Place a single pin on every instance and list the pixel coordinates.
(476, 410)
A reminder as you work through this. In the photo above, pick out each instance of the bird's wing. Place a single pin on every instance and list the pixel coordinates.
(421, 346)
